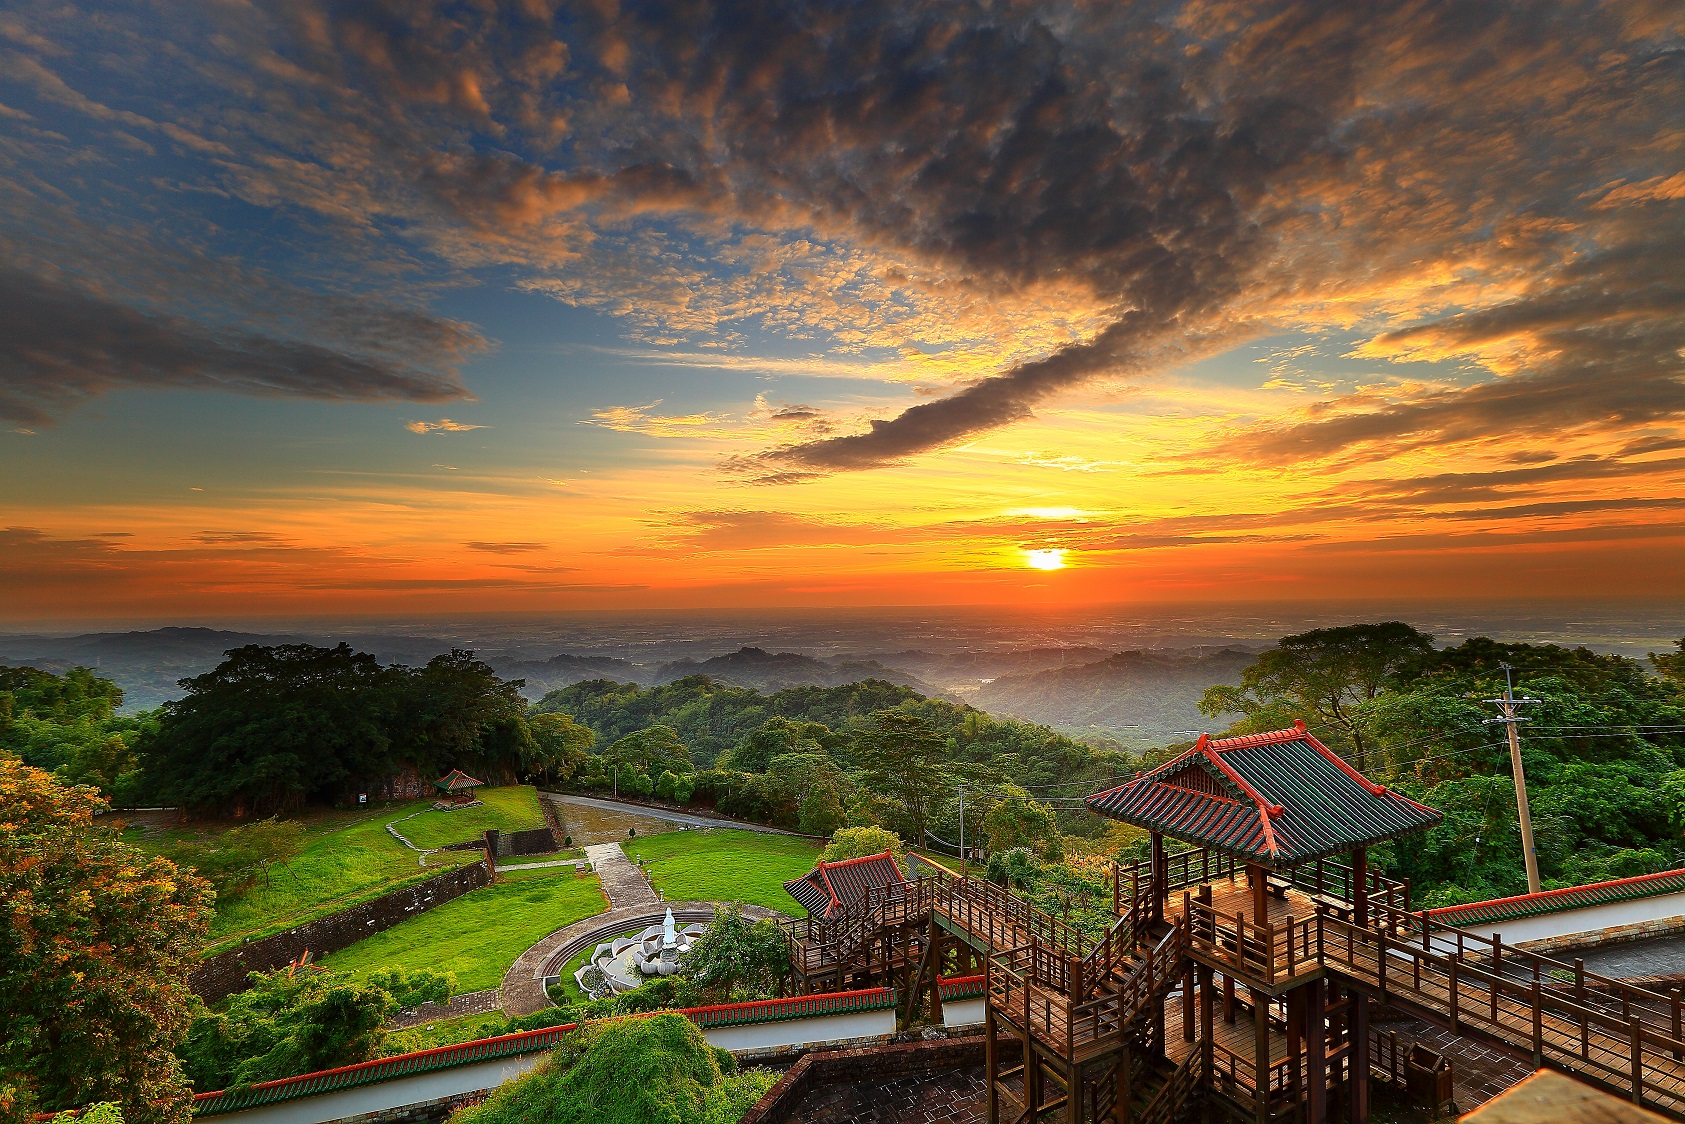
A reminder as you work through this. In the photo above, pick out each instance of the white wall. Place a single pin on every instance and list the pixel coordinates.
(804, 1032)
(1588, 920)
(396, 1093)
(963, 1012)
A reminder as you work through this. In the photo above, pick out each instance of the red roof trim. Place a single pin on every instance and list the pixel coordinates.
(417, 1055)
(1560, 892)
(1339, 762)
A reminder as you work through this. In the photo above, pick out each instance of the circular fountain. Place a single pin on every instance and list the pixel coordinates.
(626, 962)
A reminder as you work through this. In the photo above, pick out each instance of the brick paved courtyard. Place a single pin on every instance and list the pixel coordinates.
(955, 1097)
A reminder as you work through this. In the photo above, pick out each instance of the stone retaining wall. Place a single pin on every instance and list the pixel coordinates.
(220, 976)
(1597, 938)
(871, 1063)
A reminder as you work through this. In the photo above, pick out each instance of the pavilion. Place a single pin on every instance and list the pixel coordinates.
(1275, 807)
(457, 786)
(830, 888)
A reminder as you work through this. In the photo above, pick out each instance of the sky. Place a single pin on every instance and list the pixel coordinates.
(396, 307)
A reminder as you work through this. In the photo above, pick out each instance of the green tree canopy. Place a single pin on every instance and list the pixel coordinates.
(650, 751)
(293, 1021)
(1018, 820)
(1325, 677)
(559, 746)
(738, 958)
(274, 727)
(901, 757)
(96, 941)
(858, 842)
(774, 738)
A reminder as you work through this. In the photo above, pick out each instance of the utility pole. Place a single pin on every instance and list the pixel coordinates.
(1506, 707)
(962, 788)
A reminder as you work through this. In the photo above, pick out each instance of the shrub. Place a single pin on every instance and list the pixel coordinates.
(855, 842)
(655, 1070)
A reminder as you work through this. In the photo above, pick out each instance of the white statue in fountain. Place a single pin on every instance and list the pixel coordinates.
(669, 945)
(624, 963)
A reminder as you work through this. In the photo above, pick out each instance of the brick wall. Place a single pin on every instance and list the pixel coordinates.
(871, 1063)
(222, 975)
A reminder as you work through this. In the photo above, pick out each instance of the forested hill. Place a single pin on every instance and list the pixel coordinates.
(711, 718)
(1145, 697)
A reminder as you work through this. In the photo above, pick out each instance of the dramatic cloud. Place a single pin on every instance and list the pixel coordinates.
(65, 345)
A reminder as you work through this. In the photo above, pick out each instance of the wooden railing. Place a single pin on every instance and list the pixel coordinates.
(1167, 1104)
(1034, 990)
(991, 915)
(1621, 1037)
(1257, 953)
(1195, 866)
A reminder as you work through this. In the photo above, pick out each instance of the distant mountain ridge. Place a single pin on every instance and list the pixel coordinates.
(1137, 695)
(769, 672)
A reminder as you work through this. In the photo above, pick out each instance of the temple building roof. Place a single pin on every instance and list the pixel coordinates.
(456, 781)
(1277, 799)
(830, 888)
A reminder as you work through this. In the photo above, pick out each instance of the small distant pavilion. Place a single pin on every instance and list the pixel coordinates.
(1276, 806)
(457, 786)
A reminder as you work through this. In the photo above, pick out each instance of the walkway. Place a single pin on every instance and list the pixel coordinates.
(1658, 956)
(623, 882)
(689, 819)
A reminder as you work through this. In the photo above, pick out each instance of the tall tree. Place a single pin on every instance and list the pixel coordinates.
(559, 746)
(1325, 675)
(96, 940)
(902, 756)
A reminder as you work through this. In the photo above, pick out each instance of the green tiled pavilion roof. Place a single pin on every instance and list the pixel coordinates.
(1277, 799)
(1558, 901)
(456, 780)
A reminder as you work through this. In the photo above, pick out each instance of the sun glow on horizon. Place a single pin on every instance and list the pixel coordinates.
(1045, 559)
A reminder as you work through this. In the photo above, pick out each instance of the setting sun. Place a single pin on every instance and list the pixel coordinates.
(1045, 559)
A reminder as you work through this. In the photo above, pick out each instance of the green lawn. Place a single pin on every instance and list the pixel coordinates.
(515, 808)
(348, 858)
(479, 935)
(724, 864)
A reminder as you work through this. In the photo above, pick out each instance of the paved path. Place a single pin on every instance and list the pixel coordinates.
(1658, 956)
(523, 993)
(687, 818)
(623, 882)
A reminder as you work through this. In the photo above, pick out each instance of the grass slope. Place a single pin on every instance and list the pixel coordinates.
(479, 935)
(348, 858)
(514, 808)
(726, 865)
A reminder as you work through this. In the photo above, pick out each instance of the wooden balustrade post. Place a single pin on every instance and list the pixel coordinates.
(1637, 1032)
(1124, 1093)
(1188, 1003)
(1538, 998)
(1381, 963)
(991, 1050)
(1316, 1054)
(1357, 1027)
(1160, 879)
(1360, 887)
(1261, 1054)
(1453, 994)
(1295, 1045)
(1674, 1003)
(1228, 998)
(1207, 1029)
